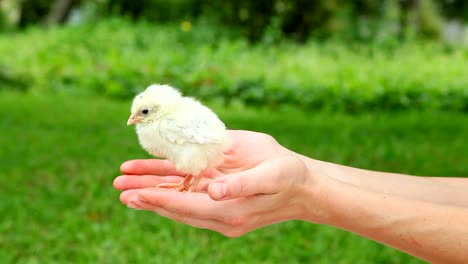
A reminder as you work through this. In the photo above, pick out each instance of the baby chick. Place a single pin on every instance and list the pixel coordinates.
(181, 130)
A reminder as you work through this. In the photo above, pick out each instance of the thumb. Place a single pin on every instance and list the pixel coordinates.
(259, 180)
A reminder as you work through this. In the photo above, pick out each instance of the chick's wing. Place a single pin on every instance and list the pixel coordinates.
(199, 126)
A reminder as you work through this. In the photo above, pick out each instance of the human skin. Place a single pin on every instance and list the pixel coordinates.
(261, 183)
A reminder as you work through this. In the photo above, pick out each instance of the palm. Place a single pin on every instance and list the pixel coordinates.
(248, 149)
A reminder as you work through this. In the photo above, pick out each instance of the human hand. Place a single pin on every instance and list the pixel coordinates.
(262, 183)
(259, 183)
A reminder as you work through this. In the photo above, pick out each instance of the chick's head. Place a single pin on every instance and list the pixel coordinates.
(153, 103)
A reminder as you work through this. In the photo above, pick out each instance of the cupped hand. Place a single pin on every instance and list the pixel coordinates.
(259, 183)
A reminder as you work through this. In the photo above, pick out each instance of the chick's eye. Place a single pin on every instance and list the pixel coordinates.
(145, 111)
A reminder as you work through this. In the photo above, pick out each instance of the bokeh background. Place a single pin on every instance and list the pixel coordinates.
(381, 85)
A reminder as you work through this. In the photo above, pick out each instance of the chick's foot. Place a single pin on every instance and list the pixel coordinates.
(184, 185)
(194, 184)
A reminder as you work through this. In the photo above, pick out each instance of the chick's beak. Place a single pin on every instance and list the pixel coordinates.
(133, 120)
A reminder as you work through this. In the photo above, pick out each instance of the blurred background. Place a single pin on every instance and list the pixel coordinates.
(380, 85)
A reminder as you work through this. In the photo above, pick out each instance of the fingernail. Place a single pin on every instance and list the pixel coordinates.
(124, 166)
(141, 198)
(132, 205)
(218, 190)
(133, 199)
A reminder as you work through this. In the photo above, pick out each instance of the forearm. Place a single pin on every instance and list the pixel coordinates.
(461, 182)
(433, 232)
(450, 191)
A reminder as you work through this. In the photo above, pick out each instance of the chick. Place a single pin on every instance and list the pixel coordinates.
(181, 130)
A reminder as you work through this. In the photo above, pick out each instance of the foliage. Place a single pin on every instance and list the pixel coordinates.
(33, 11)
(117, 58)
(60, 154)
(298, 19)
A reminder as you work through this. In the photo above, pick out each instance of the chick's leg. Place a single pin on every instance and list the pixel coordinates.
(181, 186)
(194, 183)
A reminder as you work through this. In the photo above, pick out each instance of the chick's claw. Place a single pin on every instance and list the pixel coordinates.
(176, 186)
(184, 185)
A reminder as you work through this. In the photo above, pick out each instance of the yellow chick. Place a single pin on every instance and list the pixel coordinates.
(181, 130)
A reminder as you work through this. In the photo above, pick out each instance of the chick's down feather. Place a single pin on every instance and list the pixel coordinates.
(181, 130)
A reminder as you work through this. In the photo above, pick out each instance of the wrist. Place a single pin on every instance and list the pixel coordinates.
(315, 192)
(318, 192)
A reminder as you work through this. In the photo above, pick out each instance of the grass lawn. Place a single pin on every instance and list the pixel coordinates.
(60, 154)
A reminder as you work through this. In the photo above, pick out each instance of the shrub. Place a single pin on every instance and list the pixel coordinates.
(117, 59)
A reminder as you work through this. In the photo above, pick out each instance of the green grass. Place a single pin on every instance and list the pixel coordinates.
(60, 154)
(117, 58)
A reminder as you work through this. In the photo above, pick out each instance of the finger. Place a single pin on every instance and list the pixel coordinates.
(196, 205)
(126, 182)
(196, 222)
(262, 179)
(125, 195)
(239, 215)
(150, 166)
